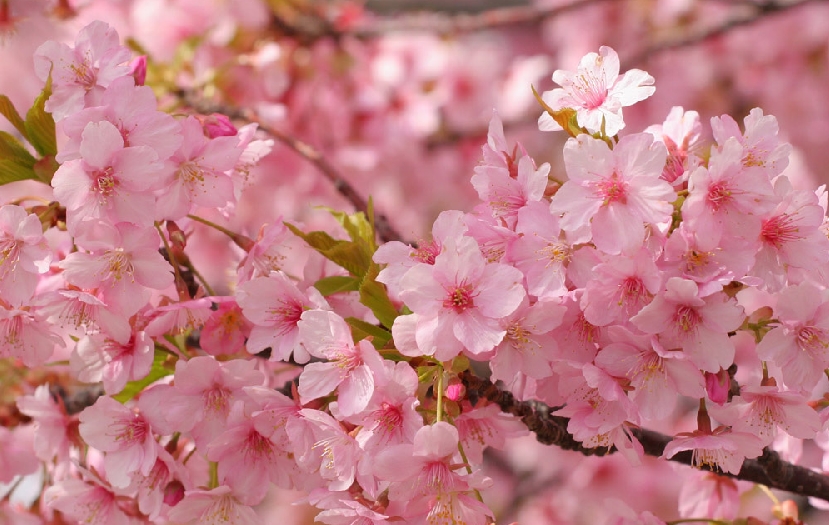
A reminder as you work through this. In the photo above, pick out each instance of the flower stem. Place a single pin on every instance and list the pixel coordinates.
(439, 387)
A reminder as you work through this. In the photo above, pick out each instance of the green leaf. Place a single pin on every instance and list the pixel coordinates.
(11, 148)
(11, 171)
(45, 169)
(347, 254)
(358, 227)
(8, 110)
(161, 368)
(375, 296)
(40, 126)
(336, 284)
(361, 329)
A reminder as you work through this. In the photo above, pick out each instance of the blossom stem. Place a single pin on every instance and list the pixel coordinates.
(214, 475)
(697, 520)
(181, 286)
(769, 493)
(469, 470)
(189, 265)
(241, 241)
(439, 387)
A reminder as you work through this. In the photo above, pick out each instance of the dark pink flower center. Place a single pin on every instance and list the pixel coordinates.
(105, 182)
(426, 252)
(812, 339)
(779, 230)
(613, 189)
(633, 292)
(459, 298)
(687, 318)
(719, 195)
(286, 316)
(590, 90)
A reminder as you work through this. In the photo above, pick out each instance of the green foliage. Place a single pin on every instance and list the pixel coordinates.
(16, 162)
(361, 330)
(163, 366)
(40, 126)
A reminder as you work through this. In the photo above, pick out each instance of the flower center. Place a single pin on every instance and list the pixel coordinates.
(460, 298)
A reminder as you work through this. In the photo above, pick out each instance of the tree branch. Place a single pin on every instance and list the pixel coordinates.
(768, 469)
(761, 10)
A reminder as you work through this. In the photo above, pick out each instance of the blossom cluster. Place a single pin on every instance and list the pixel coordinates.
(617, 294)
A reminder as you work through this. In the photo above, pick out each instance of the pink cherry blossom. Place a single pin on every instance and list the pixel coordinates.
(23, 254)
(25, 334)
(721, 448)
(799, 345)
(351, 368)
(51, 424)
(484, 427)
(124, 264)
(682, 135)
(505, 195)
(274, 305)
(458, 302)
(123, 434)
(199, 178)
(86, 502)
(617, 192)
(17, 457)
(761, 145)
(225, 330)
(212, 507)
(80, 74)
(109, 181)
(597, 93)
(698, 325)
(100, 358)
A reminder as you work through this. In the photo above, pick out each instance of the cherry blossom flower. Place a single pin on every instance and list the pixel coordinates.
(711, 495)
(457, 303)
(89, 503)
(51, 424)
(274, 305)
(225, 330)
(25, 334)
(351, 368)
(682, 135)
(99, 358)
(505, 195)
(616, 191)
(17, 457)
(80, 74)
(199, 177)
(698, 325)
(23, 254)
(721, 448)
(486, 426)
(123, 434)
(597, 93)
(799, 345)
(123, 265)
(212, 507)
(761, 145)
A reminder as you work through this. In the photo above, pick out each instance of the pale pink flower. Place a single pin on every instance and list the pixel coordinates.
(132, 110)
(212, 507)
(656, 375)
(761, 145)
(23, 254)
(527, 347)
(200, 177)
(351, 368)
(204, 392)
(267, 253)
(124, 264)
(99, 358)
(709, 495)
(50, 422)
(17, 457)
(540, 251)
(699, 326)
(123, 434)
(792, 243)
(620, 288)
(25, 334)
(727, 199)
(340, 509)
(109, 181)
(682, 135)
(225, 330)
(597, 93)
(458, 302)
(180, 317)
(152, 487)
(721, 448)
(799, 345)
(617, 192)
(505, 195)
(482, 427)
(84, 313)
(80, 74)
(274, 305)
(248, 460)
(338, 454)
(88, 503)
(760, 410)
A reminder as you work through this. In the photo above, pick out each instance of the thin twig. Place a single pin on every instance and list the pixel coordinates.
(762, 10)
(767, 469)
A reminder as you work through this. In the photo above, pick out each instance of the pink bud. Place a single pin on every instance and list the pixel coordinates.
(717, 386)
(218, 125)
(455, 391)
(173, 493)
(138, 69)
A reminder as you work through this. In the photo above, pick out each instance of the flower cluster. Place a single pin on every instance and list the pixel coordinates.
(617, 295)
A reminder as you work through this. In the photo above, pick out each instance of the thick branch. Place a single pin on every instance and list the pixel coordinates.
(767, 469)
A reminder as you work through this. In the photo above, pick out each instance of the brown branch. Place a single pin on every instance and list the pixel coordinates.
(769, 469)
(465, 23)
(761, 10)
(385, 231)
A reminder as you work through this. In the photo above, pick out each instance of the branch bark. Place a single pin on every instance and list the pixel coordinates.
(769, 469)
